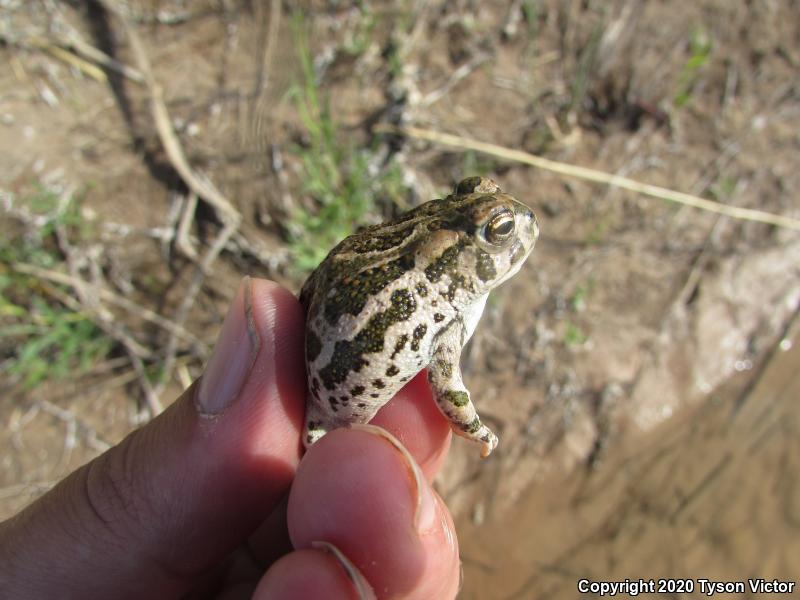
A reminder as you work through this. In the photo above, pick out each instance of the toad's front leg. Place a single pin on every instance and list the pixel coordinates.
(444, 375)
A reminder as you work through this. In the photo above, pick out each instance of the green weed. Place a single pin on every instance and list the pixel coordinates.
(475, 162)
(700, 53)
(41, 339)
(359, 39)
(586, 63)
(722, 189)
(577, 301)
(599, 232)
(531, 11)
(342, 180)
(574, 335)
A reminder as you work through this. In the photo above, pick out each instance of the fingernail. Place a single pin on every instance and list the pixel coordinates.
(360, 583)
(425, 515)
(233, 356)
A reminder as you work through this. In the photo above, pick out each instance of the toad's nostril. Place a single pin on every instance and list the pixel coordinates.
(533, 225)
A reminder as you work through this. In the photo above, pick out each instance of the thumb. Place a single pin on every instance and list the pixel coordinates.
(151, 515)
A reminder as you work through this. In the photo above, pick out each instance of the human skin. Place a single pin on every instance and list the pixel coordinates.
(215, 499)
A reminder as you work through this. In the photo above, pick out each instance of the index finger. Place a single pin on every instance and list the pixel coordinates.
(413, 418)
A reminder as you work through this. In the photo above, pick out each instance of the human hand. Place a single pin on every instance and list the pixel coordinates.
(194, 504)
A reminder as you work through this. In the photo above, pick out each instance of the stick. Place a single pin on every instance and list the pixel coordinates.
(746, 214)
(201, 271)
(108, 296)
(195, 182)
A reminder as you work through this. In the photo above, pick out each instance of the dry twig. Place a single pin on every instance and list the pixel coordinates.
(196, 182)
(109, 296)
(259, 107)
(455, 78)
(76, 61)
(190, 296)
(76, 52)
(183, 242)
(746, 214)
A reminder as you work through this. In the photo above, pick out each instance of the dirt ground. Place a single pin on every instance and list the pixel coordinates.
(640, 371)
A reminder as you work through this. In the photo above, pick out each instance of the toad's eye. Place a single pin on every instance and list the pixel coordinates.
(500, 228)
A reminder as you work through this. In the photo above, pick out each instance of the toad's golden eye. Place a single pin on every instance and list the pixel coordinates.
(500, 228)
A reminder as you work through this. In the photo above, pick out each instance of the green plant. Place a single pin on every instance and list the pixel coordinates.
(342, 181)
(530, 15)
(574, 335)
(359, 38)
(599, 231)
(50, 341)
(723, 187)
(586, 64)
(40, 338)
(581, 294)
(475, 163)
(531, 11)
(699, 54)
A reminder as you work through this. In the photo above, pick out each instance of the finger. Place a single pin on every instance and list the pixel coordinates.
(413, 418)
(311, 573)
(361, 492)
(178, 495)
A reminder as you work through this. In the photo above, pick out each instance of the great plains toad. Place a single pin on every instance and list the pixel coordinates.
(397, 297)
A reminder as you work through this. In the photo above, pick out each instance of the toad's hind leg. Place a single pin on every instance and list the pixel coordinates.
(325, 413)
(317, 421)
(444, 375)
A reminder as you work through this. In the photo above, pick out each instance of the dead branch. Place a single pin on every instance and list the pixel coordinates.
(196, 182)
(746, 214)
(201, 270)
(76, 52)
(109, 296)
